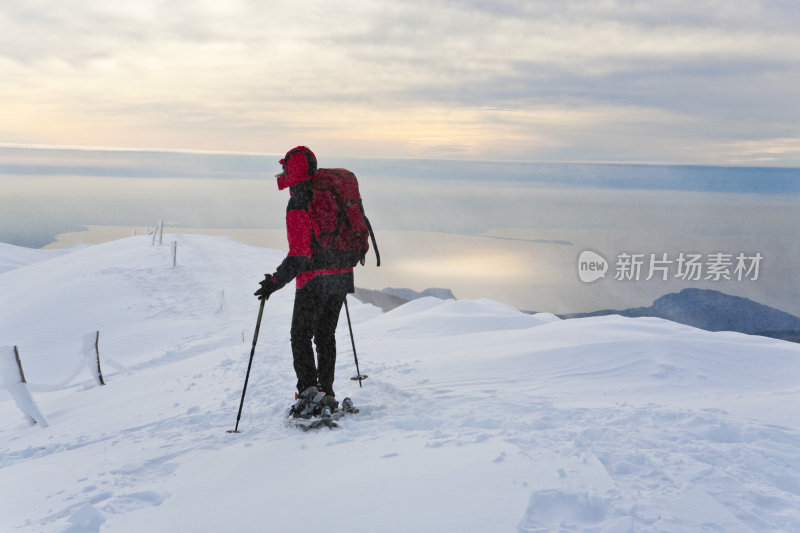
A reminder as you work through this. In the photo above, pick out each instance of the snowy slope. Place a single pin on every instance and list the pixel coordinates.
(12, 257)
(475, 417)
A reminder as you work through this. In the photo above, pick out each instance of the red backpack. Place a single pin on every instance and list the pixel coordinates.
(341, 229)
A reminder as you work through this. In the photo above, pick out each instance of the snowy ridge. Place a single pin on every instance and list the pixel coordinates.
(476, 417)
(12, 257)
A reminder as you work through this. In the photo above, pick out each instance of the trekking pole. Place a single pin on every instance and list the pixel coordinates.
(358, 377)
(249, 365)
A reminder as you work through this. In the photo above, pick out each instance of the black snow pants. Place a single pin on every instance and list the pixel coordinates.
(315, 316)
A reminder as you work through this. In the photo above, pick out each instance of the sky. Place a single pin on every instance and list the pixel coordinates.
(701, 81)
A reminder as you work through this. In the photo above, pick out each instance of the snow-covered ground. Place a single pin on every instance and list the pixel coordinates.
(12, 257)
(475, 417)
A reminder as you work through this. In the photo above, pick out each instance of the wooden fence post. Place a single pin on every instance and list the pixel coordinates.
(19, 389)
(19, 365)
(97, 351)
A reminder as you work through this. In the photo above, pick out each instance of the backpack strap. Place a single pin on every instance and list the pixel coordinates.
(371, 236)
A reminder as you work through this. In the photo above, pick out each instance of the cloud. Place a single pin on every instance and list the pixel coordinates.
(405, 78)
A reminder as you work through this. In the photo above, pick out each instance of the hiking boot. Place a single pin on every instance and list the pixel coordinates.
(307, 402)
(308, 394)
(330, 402)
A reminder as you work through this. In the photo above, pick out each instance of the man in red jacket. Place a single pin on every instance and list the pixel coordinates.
(321, 290)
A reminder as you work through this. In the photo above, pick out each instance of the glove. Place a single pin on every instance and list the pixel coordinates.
(268, 286)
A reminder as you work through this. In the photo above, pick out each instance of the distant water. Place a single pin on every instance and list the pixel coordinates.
(44, 192)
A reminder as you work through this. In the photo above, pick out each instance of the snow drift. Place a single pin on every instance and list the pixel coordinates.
(476, 417)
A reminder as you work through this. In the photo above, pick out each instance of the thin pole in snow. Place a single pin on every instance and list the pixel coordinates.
(249, 366)
(19, 365)
(97, 351)
(358, 377)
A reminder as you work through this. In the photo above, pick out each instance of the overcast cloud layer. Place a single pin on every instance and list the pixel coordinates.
(700, 81)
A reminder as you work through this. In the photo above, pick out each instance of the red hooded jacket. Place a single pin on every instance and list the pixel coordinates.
(299, 166)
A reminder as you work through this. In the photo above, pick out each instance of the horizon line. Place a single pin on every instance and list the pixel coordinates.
(80, 148)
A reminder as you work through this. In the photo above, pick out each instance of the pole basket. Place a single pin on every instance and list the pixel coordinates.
(359, 378)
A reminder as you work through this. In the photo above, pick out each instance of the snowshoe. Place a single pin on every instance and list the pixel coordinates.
(309, 403)
(315, 409)
(348, 407)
